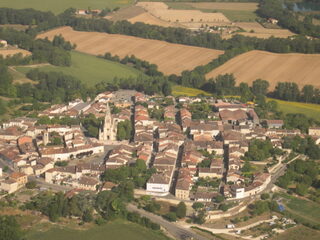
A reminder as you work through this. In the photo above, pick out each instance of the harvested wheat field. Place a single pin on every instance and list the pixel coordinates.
(147, 18)
(11, 52)
(162, 11)
(170, 58)
(254, 29)
(224, 5)
(299, 68)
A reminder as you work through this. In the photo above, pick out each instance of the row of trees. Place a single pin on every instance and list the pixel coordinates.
(143, 66)
(290, 91)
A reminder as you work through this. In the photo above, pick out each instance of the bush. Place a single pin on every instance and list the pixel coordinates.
(31, 185)
(265, 196)
(181, 210)
(171, 216)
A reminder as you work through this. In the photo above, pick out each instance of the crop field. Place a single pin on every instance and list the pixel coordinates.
(117, 230)
(178, 90)
(170, 58)
(11, 52)
(135, 14)
(254, 29)
(308, 109)
(234, 11)
(298, 233)
(299, 68)
(58, 6)
(89, 69)
(162, 11)
(302, 208)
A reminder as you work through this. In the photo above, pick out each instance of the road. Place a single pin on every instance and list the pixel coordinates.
(55, 187)
(174, 229)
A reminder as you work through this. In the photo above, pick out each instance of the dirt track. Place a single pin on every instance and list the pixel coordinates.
(299, 68)
(170, 58)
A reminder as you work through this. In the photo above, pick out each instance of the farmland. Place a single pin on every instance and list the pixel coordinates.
(178, 90)
(254, 29)
(233, 11)
(170, 58)
(11, 52)
(305, 209)
(298, 233)
(89, 69)
(111, 231)
(59, 6)
(299, 68)
(308, 109)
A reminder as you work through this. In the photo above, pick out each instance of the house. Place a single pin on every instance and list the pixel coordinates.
(87, 183)
(160, 182)
(273, 20)
(204, 196)
(211, 172)
(9, 186)
(314, 131)
(274, 123)
(3, 43)
(20, 178)
(184, 184)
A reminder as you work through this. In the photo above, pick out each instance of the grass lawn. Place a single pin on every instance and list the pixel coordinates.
(310, 110)
(118, 230)
(90, 69)
(298, 233)
(178, 90)
(58, 6)
(308, 210)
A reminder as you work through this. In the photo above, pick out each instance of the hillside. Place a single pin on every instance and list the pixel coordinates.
(58, 6)
(170, 58)
(299, 68)
(89, 69)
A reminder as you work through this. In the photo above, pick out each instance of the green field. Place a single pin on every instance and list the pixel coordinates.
(239, 16)
(178, 90)
(309, 109)
(90, 69)
(232, 15)
(58, 6)
(298, 233)
(118, 230)
(306, 209)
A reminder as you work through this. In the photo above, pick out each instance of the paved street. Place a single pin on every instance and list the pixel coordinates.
(174, 229)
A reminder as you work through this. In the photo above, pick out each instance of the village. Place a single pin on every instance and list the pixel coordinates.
(194, 158)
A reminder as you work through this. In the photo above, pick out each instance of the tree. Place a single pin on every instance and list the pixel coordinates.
(265, 196)
(87, 216)
(9, 228)
(301, 189)
(260, 87)
(181, 210)
(197, 205)
(31, 185)
(246, 167)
